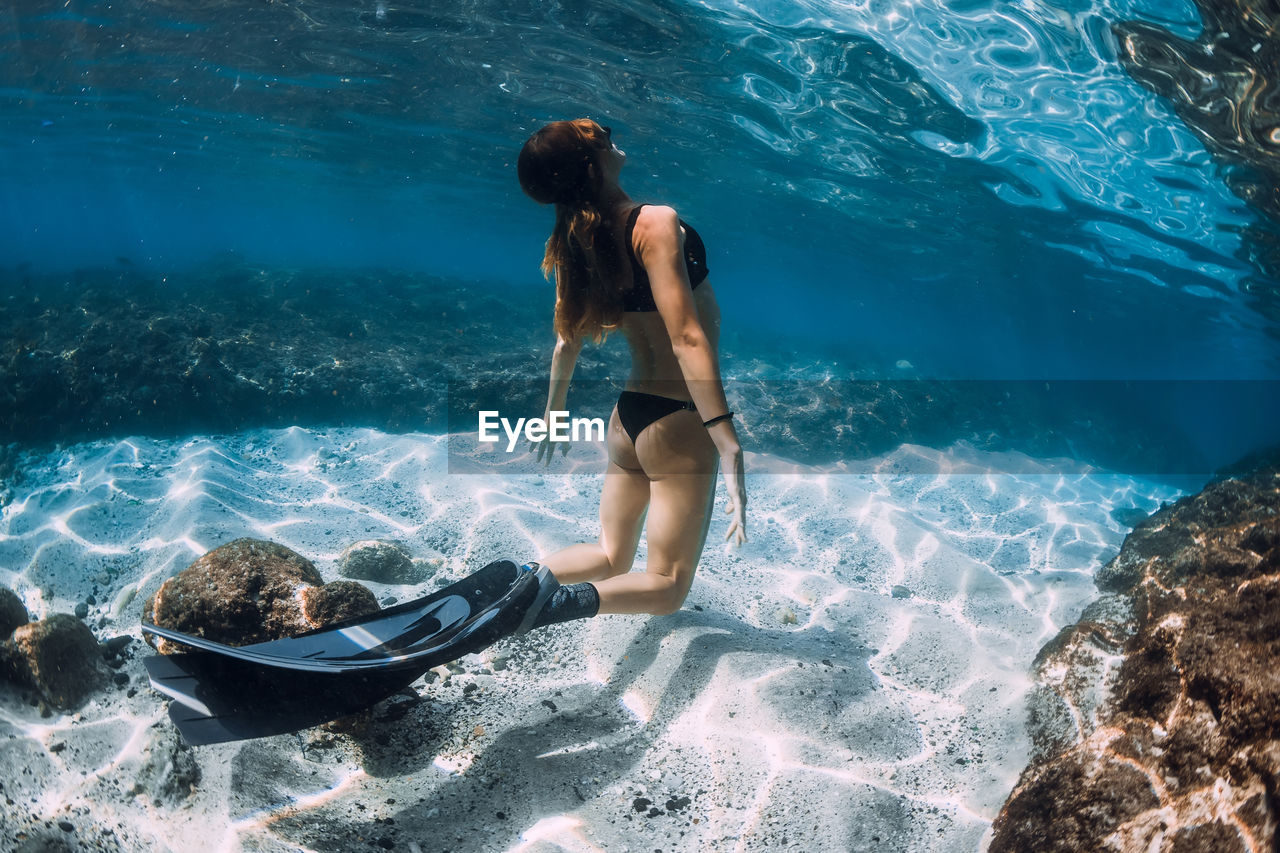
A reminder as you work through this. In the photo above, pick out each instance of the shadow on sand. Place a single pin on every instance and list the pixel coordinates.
(576, 743)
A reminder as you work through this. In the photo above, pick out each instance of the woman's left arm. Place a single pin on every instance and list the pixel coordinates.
(661, 249)
(564, 358)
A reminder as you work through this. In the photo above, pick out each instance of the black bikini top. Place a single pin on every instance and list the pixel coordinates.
(640, 296)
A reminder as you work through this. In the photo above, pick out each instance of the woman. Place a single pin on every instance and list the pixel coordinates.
(639, 269)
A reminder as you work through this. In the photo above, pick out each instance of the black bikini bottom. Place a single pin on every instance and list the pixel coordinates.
(637, 410)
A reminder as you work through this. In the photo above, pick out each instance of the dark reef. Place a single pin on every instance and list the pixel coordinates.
(116, 352)
(1179, 750)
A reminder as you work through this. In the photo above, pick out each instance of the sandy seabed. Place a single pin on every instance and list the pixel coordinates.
(854, 678)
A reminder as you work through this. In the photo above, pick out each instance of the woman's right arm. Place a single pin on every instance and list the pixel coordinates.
(563, 360)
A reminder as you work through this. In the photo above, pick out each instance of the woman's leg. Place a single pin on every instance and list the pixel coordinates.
(622, 509)
(681, 465)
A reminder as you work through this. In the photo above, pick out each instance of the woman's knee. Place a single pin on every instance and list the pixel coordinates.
(613, 570)
(617, 561)
(669, 595)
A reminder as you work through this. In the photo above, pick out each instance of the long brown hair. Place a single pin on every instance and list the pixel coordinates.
(559, 165)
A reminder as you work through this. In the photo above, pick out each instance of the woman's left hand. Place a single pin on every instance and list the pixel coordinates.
(736, 486)
(546, 448)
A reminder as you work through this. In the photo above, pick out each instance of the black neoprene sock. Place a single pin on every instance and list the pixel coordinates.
(574, 601)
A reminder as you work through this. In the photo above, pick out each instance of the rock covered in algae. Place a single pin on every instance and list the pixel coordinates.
(379, 560)
(1177, 749)
(251, 591)
(59, 657)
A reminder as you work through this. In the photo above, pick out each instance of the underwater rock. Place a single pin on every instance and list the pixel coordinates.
(1177, 749)
(251, 591)
(58, 656)
(45, 840)
(12, 612)
(337, 601)
(1129, 517)
(379, 560)
(222, 350)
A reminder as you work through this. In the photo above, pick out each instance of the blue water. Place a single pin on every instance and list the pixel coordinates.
(238, 241)
(979, 189)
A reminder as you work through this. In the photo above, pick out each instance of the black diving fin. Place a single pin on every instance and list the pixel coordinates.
(224, 693)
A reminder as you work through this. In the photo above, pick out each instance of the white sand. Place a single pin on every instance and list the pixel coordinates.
(795, 701)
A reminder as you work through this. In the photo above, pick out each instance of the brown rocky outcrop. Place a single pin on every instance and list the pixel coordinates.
(251, 591)
(1157, 722)
(58, 656)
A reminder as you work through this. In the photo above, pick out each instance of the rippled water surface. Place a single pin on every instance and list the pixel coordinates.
(977, 188)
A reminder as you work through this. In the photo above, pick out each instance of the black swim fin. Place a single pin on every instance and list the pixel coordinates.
(226, 692)
(218, 699)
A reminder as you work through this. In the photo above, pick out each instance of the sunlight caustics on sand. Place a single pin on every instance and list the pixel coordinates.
(866, 655)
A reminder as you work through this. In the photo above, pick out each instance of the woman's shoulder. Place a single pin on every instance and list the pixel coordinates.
(655, 221)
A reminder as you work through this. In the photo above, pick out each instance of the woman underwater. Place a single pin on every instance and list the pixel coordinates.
(639, 269)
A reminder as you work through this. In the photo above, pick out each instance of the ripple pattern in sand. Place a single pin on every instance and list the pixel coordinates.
(853, 679)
